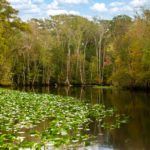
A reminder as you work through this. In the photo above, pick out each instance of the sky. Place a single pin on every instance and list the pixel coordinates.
(104, 9)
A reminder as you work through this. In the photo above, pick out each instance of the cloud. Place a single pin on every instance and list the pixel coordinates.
(100, 7)
(43, 8)
(17, 2)
(54, 9)
(72, 1)
(120, 7)
(25, 6)
(117, 3)
(53, 12)
(40, 9)
(139, 3)
(38, 1)
(53, 5)
(121, 10)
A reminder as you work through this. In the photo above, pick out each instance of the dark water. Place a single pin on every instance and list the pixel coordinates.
(135, 135)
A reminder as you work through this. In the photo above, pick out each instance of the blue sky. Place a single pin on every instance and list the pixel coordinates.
(105, 9)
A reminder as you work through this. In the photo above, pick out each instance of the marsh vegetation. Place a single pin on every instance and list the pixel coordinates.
(67, 120)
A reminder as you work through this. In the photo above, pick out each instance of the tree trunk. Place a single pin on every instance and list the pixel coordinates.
(84, 58)
(67, 82)
(81, 73)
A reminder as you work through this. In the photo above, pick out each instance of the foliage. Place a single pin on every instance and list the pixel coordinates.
(131, 60)
(10, 25)
(68, 119)
(69, 49)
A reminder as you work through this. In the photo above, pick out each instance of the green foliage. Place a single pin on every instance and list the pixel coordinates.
(68, 119)
(10, 25)
(131, 49)
(121, 78)
(69, 49)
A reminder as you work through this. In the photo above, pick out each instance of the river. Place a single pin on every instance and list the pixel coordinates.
(135, 135)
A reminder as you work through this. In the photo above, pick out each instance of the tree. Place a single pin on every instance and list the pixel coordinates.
(9, 23)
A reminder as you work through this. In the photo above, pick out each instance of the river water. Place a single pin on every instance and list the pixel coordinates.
(135, 135)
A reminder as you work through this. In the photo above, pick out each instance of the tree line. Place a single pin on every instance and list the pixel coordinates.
(70, 49)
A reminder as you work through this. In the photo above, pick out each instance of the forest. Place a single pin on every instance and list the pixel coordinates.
(72, 50)
(70, 82)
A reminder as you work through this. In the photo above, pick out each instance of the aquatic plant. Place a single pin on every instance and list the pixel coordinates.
(67, 120)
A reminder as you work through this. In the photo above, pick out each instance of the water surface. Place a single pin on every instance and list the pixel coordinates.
(135, 135)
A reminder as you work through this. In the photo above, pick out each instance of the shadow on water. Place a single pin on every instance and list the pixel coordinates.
(135, 135)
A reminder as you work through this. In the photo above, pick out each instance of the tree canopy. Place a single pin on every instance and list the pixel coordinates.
(70, 49)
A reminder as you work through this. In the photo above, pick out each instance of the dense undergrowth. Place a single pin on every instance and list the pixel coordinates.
(65, 119)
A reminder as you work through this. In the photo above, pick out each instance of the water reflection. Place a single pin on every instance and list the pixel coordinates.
(135, 135)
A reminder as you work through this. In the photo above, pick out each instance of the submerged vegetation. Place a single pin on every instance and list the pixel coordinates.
(69, 49)
(67, 120)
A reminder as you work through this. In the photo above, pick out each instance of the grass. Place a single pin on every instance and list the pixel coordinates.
(67, 120)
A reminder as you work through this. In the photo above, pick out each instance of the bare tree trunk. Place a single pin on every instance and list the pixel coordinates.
(78, 55)
(67, 82)
(103, 59)
(23, 73)
(35, 73)
(81, 73)
(97, 55)
(100, 57)
(28, 67)
(84, 57)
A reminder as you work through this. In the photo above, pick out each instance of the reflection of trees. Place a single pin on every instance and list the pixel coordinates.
(135, 134)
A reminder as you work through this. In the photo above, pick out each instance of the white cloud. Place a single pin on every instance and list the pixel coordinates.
(54, 9)
(37, 1)
(39, 9)
(121, 10)
(25, 6)
(53, 12)
(139, 3)
(13, 2)
(128, 8)
(100, 7)
(120, 7)
(73, 1)
(53, 5)
(43, 8)
(117, 3)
